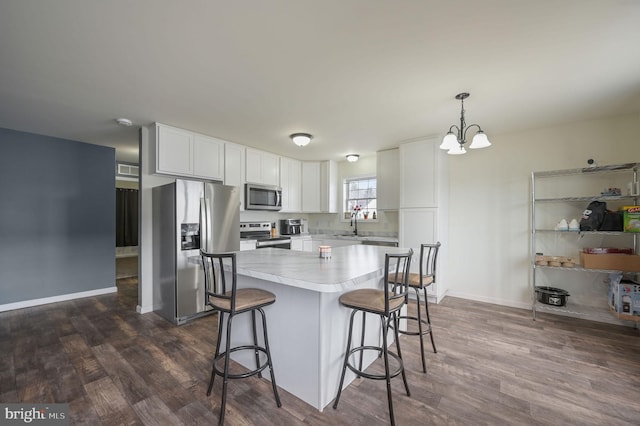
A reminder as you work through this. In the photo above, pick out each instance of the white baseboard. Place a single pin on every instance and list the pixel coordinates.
(493, 300)
(53, 299)
(144, 309)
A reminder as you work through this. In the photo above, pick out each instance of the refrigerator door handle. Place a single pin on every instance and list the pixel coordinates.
(205, 214)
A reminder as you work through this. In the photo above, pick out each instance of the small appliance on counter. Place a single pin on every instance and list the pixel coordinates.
(261, 232)
(290, 226)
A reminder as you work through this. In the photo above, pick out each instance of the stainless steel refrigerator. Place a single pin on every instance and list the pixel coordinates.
(189, 215)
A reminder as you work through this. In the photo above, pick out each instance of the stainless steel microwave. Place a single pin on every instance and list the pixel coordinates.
(262, 197)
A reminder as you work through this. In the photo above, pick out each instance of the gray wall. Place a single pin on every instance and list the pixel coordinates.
(57, 216)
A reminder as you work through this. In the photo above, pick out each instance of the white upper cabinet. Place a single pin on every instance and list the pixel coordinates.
(208, 157)
(183, 153)
(422, 174)
(174, 150)
(329, 187)
(388, 179)
(319, 187)
(262, 167)
(311, 186)
(290, 181)
(234, 168)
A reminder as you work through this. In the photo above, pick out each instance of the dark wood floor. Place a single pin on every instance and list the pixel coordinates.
(494, 366)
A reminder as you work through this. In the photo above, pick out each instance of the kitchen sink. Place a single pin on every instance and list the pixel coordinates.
(379, 243)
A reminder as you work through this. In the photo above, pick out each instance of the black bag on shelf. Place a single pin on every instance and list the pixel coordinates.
(613, 221)
(593, 216)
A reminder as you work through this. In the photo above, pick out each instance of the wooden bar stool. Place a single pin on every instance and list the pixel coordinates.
(420, 281)
(386, 304)
(219, 272)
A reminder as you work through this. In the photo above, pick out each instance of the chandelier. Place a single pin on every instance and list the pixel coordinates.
(454, 142)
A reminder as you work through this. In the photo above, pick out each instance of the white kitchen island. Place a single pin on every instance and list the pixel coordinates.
(307, 326)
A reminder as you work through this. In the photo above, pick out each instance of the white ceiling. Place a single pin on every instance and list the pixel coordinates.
(360, 75)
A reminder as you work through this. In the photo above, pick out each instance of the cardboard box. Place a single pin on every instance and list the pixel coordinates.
(624, 296)
(631, 219)
(612, 261)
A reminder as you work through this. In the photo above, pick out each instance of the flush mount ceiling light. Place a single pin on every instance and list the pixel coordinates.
(352, 158)
(454, 142)
(301, 139)
(124, 122)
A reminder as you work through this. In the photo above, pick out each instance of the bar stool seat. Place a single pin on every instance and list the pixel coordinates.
(420, 281)
(369, 300)
(246, 299)
(386, 304)
(220, 270)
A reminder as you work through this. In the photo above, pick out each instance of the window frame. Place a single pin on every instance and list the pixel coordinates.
(345, 199)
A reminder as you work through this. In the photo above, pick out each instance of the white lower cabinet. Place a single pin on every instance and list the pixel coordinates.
(421, 226)
(301, 243)
(247, 245)
(320, 240)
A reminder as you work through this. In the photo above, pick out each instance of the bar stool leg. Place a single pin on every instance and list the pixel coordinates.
(420, 332)
(215, 355)
(255, 341)
(396, 321)
(426, 308)
(364, 318)
(346, 358)
(385, 355)
(226, 371)
(266, 346)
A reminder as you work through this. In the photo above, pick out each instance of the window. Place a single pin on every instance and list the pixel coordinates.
(360, 197)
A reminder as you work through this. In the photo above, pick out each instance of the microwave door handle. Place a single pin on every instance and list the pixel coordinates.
(278, 198)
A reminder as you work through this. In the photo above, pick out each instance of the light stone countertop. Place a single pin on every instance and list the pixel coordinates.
(355, 237)
(347, 267)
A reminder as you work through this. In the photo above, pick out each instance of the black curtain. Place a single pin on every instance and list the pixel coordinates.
(126, 217)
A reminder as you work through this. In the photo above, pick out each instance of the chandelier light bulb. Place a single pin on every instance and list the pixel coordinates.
(458, 150)
(449, 141)
(480, 140)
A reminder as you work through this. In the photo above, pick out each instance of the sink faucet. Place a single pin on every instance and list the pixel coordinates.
(354, 222)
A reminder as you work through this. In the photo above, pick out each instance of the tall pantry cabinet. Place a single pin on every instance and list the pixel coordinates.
(424, 204)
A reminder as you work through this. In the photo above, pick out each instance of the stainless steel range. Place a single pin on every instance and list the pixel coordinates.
(261, 232)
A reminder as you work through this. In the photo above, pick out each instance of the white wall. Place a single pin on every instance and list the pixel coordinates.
(489, 201)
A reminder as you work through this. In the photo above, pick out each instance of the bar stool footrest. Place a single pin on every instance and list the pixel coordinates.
(250, 373)
(425, 331)
(378, 349)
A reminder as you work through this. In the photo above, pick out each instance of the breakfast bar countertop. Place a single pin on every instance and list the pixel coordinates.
(307, 324)
(345, 269)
